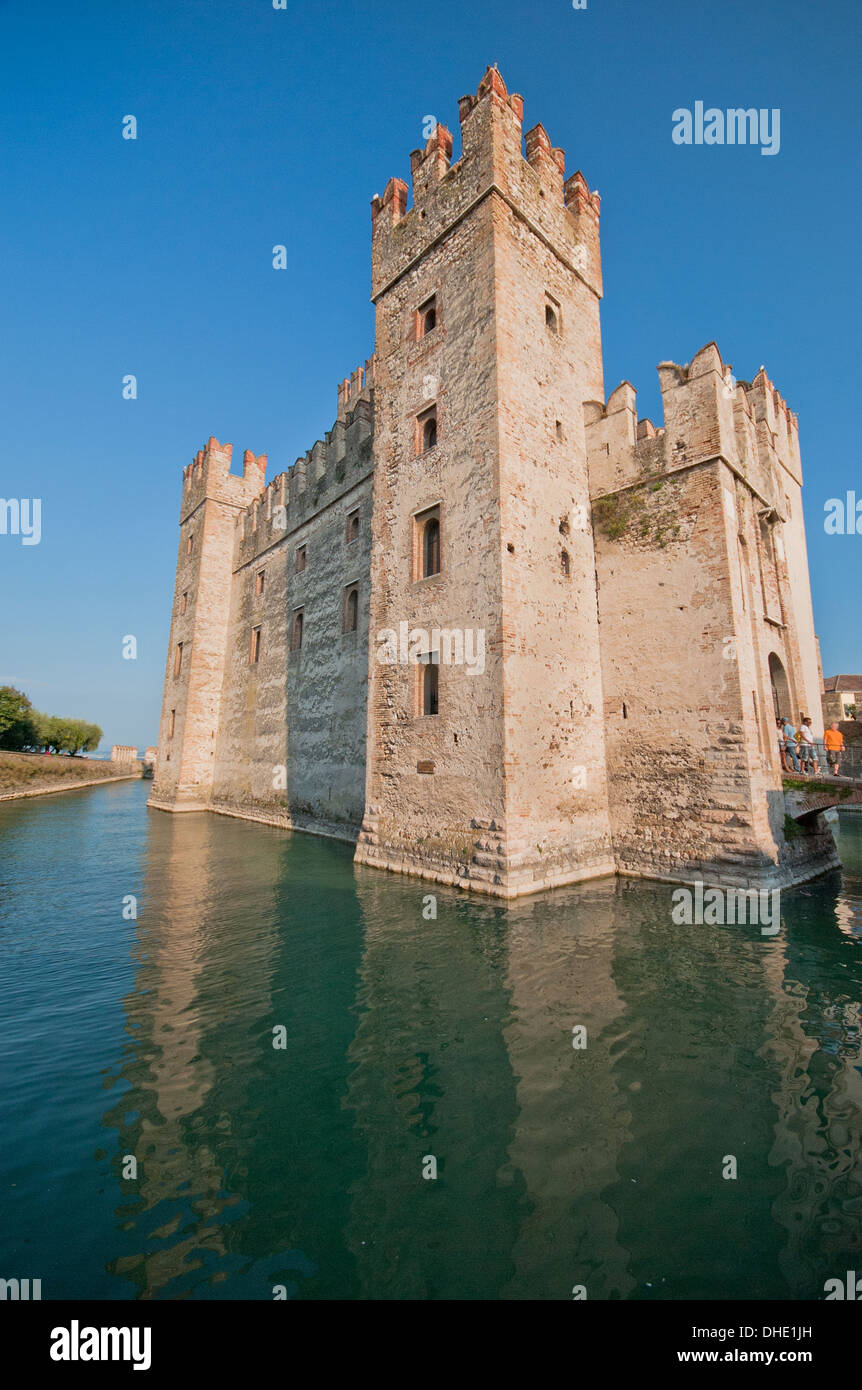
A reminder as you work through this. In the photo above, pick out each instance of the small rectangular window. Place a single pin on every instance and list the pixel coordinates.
(300, 558)
(184, 602)
(255, 646)
(259, 581)
(178, 658)
(426, 697)
(296, 631)
(352, 528)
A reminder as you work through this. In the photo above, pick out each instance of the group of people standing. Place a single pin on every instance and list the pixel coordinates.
(798, 750)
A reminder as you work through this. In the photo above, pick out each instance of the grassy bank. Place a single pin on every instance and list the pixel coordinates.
(21, 773)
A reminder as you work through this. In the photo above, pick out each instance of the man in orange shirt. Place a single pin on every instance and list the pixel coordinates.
(834, 742)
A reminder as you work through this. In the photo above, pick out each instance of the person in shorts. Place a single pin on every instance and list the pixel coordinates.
(806, 749)
(834, 741)
(789, 734)
(805, 745)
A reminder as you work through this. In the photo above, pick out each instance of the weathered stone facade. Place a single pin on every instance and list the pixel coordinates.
(540, 640)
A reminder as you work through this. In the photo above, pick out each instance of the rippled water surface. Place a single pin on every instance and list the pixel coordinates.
(406, 1037)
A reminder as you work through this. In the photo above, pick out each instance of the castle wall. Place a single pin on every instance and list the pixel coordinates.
(679, 779)
(280, 738)
(778, 448)
(292, 741)
(431, 778)
(212, 499)
(694, 598)
(546, 258)
(252, 744)
(499, 241)
(124, 753)
(416, 818)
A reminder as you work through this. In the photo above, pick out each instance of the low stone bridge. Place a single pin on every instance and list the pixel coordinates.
(804, 797)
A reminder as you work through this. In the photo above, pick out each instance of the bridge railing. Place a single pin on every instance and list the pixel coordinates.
(850, 761)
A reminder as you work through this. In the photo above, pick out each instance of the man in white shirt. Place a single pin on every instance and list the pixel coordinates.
(807, 749)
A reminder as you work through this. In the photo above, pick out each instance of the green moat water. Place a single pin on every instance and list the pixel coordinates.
(408, 1037)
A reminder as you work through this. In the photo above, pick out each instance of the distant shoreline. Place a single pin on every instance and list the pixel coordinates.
(33, 774)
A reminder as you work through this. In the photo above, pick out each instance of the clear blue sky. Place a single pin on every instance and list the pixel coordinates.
(259, 126)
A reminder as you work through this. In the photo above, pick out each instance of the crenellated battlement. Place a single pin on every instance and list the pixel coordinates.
(351, 389)
(331, 467)
(527, 171)
(209, 476)
(707, 414)
(430, 164)
(493, 86)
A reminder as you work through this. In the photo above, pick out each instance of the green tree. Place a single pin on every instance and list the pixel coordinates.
(41, 722)
(63, 734)
(23, 727)
(81, 737)
(53, 733)
(17, 722)
(75, 736)
(58, 729)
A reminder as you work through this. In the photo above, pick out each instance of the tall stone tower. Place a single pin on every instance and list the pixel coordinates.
(212, 499)
(488, 771)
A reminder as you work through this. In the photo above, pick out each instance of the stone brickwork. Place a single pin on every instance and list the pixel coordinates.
(213, 501)
(517, 797)
(611, 610)
(706, 623)
(291, 741)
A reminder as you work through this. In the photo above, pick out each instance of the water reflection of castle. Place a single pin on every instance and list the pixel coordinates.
(453, 1037)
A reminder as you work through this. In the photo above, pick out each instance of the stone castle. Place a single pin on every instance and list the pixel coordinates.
(495, 629)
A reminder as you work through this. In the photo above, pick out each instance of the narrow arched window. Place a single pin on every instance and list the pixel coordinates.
(431, 548)
(351, 609)
(429, 432)
(550, 318)
(425, 544)
(296, 632)
(426, 317)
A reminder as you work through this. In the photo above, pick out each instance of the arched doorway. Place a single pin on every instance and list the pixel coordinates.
(780, 687)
